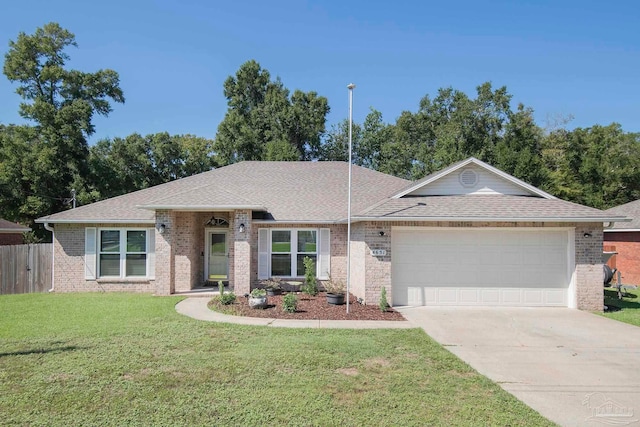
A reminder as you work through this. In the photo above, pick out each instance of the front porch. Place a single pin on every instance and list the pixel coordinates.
(194, 249)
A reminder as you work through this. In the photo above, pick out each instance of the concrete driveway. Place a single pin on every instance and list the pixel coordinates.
(575, 368)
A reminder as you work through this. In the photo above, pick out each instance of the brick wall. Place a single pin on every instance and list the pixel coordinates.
(68, 247)
(338, 235)
(241, 261)
(589, 274)
(11, 239)
(627, 244)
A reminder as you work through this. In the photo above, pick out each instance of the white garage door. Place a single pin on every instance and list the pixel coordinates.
(506, 267)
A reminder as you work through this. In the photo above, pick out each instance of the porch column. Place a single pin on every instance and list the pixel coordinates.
(241, 252)
(165, 252)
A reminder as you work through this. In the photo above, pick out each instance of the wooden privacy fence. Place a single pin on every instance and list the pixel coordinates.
(25, 268)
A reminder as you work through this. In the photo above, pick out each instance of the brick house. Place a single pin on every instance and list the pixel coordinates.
(468, 235)
(11, 233)
(624, 238)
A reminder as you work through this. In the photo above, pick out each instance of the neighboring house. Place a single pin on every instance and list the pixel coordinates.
(468, 235)
(11, 233)
(624, 238)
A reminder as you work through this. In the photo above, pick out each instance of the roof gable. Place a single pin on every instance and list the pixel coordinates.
(471, 177)
(288, 191)
(630, 210)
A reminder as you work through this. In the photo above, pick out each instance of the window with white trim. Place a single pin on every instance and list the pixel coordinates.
(288, 250)
(122, 252)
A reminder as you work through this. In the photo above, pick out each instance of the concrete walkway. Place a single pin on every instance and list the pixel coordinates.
(575, 368)
(196, 308)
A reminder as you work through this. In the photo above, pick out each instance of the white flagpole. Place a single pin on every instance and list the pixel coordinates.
(351, 86)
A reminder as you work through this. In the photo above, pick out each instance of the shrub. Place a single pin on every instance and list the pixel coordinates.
(310, 286)
(274, 283)
(220, 287)
(258, 293)
(290, 303)
(334, 286)
(227, 299)
(383, 299)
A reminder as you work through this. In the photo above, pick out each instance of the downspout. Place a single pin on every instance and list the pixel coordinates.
(610, 225)
(53, 255)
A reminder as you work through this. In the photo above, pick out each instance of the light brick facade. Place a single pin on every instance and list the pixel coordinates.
(180, 255)
(69, 255)
(338, 250)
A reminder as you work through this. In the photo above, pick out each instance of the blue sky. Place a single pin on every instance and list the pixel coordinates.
(561, 58)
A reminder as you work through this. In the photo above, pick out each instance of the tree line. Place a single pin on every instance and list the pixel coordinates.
(41, 163)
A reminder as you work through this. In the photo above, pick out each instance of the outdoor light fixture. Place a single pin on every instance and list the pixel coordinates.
(587, 235)
(381, 233)
(162, 228)
(241, 228)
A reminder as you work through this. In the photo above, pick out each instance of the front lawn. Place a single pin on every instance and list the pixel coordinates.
(120, 359)
(625, 310)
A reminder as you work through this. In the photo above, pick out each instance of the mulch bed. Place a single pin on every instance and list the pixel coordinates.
(309, 308)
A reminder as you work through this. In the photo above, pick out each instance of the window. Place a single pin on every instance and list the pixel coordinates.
(122, 253)
(281, 251)
(288, 250)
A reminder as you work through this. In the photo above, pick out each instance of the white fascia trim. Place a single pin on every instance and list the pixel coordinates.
(620, 230)
(201, 208)
(484, 165)
(95, 221)
(273, 221)
(481, 219)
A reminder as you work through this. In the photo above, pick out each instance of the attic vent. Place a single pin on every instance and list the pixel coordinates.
(468, 178)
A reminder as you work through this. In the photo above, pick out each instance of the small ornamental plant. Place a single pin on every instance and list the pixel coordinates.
(258, 293)
(383, 300)
(225, 299)
(334, 286)
(290, 303)
(310, 286)
(274, 283)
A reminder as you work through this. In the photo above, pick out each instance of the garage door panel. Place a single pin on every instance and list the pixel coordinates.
(480, 267)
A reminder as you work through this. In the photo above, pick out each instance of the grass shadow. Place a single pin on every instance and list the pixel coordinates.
(42, 351)
(629, 300)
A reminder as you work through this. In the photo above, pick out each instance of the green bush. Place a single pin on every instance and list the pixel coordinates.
(310, 286)
(290, 303)
(227, 299)
(383, 299)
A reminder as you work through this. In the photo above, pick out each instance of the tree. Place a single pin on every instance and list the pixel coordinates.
(123, 165)
(264, 123)
(519, 151)
(62, 104)
(335, 145)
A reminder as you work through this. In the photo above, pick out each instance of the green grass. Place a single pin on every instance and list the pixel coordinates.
(628, 307)
(121, 359)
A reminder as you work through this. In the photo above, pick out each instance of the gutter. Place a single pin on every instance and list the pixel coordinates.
(48, 227)
(486, 219)
(94, 221)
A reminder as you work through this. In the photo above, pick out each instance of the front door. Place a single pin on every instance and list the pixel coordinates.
(218, 262)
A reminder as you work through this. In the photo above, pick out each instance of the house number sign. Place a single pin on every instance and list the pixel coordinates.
(378, 252)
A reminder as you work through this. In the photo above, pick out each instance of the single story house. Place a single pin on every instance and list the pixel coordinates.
(624, 238)
(11, 233)
(467, 235)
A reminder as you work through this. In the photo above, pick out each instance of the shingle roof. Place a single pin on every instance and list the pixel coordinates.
(631, 210)
(289, 191)
(12, 227)
(484, 208)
